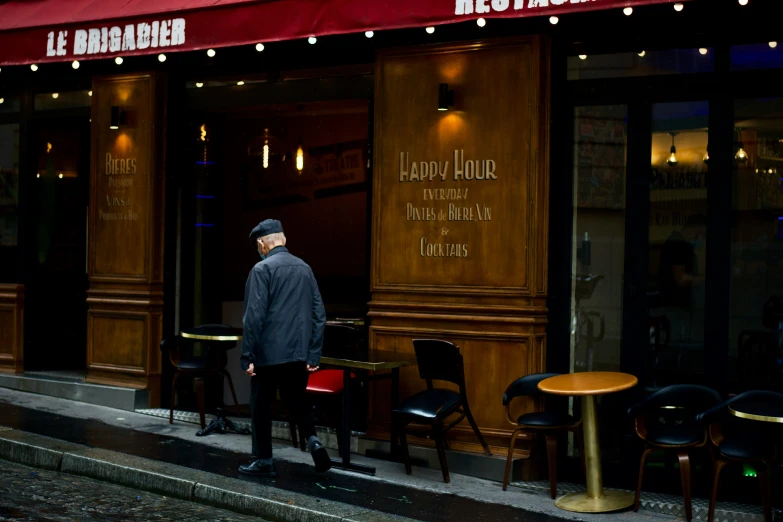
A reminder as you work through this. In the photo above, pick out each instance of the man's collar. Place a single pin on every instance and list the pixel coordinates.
(277, 250)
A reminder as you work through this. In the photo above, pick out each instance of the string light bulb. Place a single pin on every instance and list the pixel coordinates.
(583, 57)
(369, 34)
(312, 40)
(481, 22)
(741, 156)
(199, 85)
(118, 60)
(628, 11)
(259, 47)
(642, 53)
(211, 53)
(2, 100)
(743, 2)
(60, 175)
(33, 67)
(89, 93)
(679, 7)
(161, 57)
(772, 45)
(241, 83)
(553, 20)
(55, 95)
(430, 30)
(703, 51)
(75, 64)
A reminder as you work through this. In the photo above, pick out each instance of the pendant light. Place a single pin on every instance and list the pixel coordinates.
(672, 160)
(741, 156)
(300, 157)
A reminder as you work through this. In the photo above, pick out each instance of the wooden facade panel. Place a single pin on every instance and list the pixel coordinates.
(126, 231)
(455, 258)
(11, 328)
(117, 339)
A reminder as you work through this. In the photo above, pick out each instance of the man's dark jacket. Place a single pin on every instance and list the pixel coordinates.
(284, 315)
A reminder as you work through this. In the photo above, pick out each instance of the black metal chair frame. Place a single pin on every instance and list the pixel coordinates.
(173, 345)
(449, 367)
(656, 401)
(549, 432)
(721, 461)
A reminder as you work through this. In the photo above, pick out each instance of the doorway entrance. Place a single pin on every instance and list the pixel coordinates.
(55, 252)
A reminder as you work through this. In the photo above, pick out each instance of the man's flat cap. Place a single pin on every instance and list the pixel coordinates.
(265, 228)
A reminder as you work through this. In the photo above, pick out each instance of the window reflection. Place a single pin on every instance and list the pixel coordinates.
(757, 245)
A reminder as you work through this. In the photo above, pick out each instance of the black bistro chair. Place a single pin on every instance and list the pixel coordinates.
(666, 421)
(437, 361)
(744, 441)
(546, 423)
(325, 387)
(181, 355)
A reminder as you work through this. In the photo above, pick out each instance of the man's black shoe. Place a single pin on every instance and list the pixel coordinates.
(259, 468)
(321, 458)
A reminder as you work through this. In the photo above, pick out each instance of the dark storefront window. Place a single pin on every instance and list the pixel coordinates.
(677, 241)
(62, 100)
(641, 63)
(9, 200)
(757, 56)
(600, 135)
(9, 104)
(757, 243)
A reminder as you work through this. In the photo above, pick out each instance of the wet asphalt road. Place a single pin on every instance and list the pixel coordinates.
(33, 494)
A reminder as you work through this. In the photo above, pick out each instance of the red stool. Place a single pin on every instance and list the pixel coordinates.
(323, 383)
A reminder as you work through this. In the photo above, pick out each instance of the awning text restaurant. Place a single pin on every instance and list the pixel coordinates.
(552, 185)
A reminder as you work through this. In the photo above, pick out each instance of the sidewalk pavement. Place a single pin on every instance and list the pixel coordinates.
(149, 453)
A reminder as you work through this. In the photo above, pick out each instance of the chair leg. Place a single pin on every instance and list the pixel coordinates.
(173, 395)
(685, 474)
(444, 465)
(473, 425)
(638, 499)
(766, 501)
(510, 458)
(233, 393)
(200, 398)
(581, 443)
(404, 444)
(719, 465)
(551, 455)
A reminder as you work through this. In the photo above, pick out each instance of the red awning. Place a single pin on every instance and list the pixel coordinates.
(37, 31)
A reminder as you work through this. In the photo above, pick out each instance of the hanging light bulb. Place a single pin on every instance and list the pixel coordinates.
(369, 34)
(772, 45)
(481, 22)
(75, 64)
(312, 40)
(706, 158)
(678, 7)
(259, 47)
(300, 158)
(703, 51)
(161, 57)
(33, 67)
(743, 2)
(211, 53)
(642, 53)
(741, 156)
(553, 20)
(672, 160)
(583, 57)
(430, 30)
(118, 60)
(266, 149)
(628, 11)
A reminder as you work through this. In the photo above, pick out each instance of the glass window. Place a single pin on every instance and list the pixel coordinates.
(756, 56)
(600, 137)
(642, 63)
(62, 100)
(8, 103)
(757, 244)
(677, 242)
(9, 200)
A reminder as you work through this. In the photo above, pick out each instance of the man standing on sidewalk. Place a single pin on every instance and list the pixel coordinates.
(281, 345)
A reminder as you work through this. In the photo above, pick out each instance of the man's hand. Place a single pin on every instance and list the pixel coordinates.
(312, 369)
(251, 370)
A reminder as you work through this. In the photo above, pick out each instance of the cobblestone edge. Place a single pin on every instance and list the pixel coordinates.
(178, 481)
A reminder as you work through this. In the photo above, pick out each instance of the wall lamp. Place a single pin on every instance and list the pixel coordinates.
(117, 118)
(445, 97)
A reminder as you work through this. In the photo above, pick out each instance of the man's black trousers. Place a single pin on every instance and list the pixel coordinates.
(291, 379)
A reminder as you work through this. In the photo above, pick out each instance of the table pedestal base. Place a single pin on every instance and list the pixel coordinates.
(609, 500)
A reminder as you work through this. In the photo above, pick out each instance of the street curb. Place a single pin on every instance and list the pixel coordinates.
(179, 482)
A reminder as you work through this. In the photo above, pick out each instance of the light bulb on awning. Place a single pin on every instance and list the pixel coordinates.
(481, 22)
(211, 53)
(628, 11)
(678, 7)
(300, 158)
(553, 20)
(259, 47)
(430, 30)
(75, 64)
(118, 60)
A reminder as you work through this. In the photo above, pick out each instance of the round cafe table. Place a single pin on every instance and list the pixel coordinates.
(588, 385)
(760, 411)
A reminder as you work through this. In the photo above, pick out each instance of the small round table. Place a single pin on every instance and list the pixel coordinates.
(757, 411)
(587, 385)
